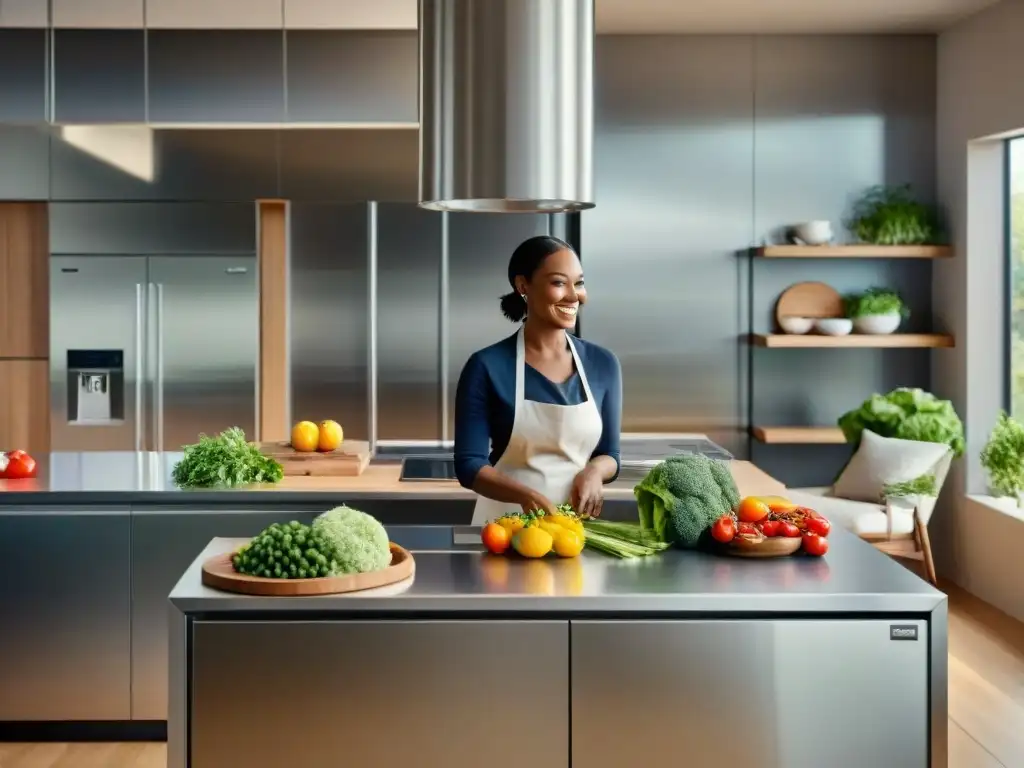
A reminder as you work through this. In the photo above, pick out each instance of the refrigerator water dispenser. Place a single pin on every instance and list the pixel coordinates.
(95, 386)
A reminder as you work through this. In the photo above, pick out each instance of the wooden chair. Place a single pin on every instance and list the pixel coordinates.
(897, 526)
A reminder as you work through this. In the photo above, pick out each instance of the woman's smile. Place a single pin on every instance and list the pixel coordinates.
(568, 309)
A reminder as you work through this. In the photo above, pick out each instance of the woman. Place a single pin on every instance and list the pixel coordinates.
(537, 415)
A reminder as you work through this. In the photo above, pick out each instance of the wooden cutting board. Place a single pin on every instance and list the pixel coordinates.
(349, 460)
(810, 299)
(219, 573)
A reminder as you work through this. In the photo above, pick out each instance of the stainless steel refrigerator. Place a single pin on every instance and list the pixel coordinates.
(147, 352)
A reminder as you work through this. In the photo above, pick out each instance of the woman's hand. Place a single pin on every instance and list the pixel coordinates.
(535, 501)
(588, 492)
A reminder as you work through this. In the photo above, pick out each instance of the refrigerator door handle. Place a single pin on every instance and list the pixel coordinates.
(159, 366)
(140, 333)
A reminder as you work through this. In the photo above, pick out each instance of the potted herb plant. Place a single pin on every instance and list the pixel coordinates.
(876, 311)
(889, 215)
(1003, 458)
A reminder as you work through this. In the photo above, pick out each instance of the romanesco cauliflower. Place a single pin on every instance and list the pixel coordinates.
(358, 540)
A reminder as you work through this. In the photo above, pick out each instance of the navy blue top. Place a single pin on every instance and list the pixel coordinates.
(485, 401)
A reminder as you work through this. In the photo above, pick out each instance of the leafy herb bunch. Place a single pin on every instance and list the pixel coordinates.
(874, 301)
(1003, 457)
(889, 215)
(224, 461)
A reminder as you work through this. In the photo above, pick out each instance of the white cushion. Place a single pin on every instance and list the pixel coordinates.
(881, 461)
(860, 517)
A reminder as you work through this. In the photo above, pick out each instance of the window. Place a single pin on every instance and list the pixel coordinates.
(1015, 273)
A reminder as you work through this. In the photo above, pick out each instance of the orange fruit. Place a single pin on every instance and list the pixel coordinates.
(495, 538)
(752, 510)
(331, 436)
(305, 436)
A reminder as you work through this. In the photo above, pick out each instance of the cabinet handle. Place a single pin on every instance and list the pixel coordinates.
(159, 366)
(140, 315)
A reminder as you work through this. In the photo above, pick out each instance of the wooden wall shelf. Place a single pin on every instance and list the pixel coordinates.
(854, 252)
(799, 435)
(853, 341)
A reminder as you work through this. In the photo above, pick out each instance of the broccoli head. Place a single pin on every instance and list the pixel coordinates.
(358, 541)
(681, 498)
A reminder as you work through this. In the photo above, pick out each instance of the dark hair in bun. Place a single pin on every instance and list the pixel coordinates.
(526, 259)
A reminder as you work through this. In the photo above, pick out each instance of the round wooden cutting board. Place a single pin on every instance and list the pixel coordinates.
(811, 299)
(775, 546)
(219, 573)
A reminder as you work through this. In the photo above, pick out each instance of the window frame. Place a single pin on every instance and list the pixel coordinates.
(1008, 274)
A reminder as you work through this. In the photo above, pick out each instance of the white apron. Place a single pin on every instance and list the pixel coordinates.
(549, 444)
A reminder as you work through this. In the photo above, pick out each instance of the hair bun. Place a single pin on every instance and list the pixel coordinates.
(513, 306)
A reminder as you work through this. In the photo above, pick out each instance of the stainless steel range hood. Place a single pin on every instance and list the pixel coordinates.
(506, 105)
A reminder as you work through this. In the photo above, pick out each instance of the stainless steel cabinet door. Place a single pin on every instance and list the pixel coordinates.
(749, 694)
(65, 642)
(329, 329)
(408, 322)
(164, 544)
(377, 694)
(97, 303)
(204, 321)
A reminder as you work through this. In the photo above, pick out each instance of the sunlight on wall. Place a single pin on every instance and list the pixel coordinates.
(129, 148)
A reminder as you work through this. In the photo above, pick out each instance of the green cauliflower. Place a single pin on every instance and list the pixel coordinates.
(358, 541)
(681, 498)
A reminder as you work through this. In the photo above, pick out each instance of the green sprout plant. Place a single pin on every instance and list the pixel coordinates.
(874, 301)
(922, 485)
(890, 215)
(1003, 457)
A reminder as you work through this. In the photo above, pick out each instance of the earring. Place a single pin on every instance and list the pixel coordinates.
(523, 295)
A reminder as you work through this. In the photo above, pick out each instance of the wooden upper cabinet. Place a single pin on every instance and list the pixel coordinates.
(98, 14)
(223, 14)
(25, 405)
(24, 281)
(24, 13)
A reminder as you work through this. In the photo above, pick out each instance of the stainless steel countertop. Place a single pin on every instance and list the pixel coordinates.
(852, 578)
(126, 477)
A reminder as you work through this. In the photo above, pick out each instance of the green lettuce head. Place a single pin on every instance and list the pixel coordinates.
(907, 414)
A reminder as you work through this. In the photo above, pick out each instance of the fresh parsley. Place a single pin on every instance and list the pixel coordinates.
(922, 485)
(224, 461)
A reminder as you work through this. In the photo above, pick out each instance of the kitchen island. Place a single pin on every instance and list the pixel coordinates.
(85, 640)
(591, 662)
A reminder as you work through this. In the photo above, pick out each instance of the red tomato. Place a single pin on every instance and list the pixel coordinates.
(788, 530)
(20, 466)
(724, 529)
(495, 538)
(747, 529)
(770, 528)
(818, 525)
(815, 545)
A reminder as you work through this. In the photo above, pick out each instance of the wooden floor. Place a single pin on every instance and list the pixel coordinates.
(986, 702)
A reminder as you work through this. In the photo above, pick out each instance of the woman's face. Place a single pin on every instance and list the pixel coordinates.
(556, 291)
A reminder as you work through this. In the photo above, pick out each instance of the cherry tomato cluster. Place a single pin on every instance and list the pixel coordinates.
(801, 522)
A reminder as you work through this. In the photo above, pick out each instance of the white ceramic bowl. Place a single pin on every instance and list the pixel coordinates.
(795, 324)
(813, 232)
(877, 325)
(833, 326)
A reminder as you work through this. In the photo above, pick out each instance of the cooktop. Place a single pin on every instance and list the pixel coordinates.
(435, 467)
